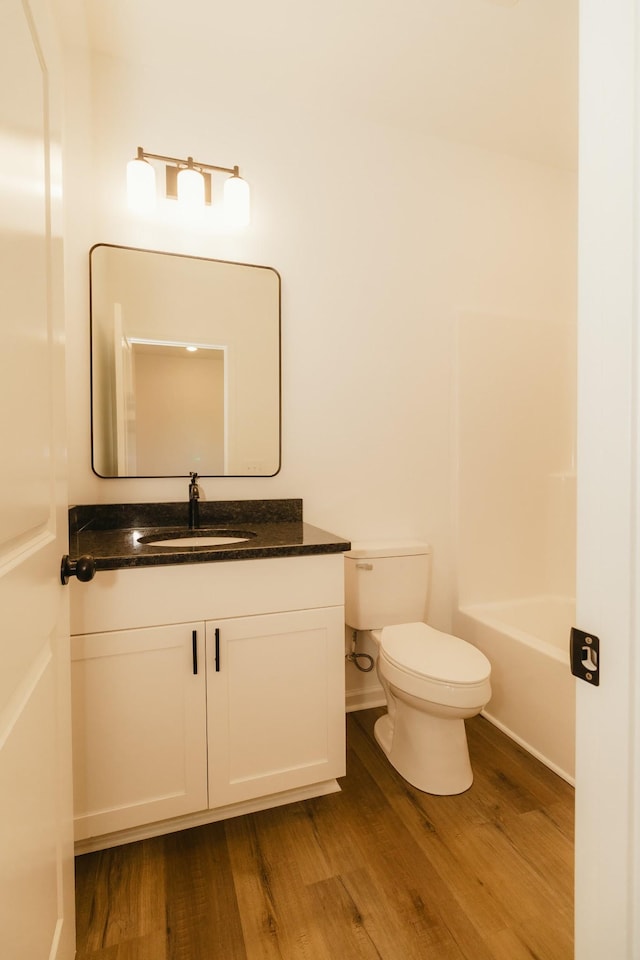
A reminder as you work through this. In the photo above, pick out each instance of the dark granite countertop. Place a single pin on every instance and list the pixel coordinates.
(111, 533)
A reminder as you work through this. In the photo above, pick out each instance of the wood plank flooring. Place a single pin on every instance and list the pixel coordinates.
(379, 871)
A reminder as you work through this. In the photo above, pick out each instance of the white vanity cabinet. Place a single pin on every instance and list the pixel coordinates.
(260, 716)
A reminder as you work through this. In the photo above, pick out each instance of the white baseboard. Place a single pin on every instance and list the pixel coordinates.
(527, 746)
(364, 699)
(147, 830)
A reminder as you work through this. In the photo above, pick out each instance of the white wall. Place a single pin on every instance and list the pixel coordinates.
(382, 237)
(516, 403)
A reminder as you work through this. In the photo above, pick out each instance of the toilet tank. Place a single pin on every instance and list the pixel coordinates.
(387, 583)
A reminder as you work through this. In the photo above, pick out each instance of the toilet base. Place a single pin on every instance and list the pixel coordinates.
(430, 752)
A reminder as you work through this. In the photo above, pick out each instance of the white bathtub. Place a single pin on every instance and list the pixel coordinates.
(533, 700)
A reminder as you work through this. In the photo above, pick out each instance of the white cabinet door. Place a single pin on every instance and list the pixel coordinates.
(275, 695)
(139, 727)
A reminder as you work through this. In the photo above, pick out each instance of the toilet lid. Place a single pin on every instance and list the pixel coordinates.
(419, 649)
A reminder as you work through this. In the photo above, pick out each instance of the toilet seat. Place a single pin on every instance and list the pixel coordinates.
(418, 648)
(434, 666)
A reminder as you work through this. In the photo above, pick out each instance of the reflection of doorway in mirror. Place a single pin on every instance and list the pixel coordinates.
(180, 408)
(125, 419)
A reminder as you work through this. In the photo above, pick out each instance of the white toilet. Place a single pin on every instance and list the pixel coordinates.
(432, 680)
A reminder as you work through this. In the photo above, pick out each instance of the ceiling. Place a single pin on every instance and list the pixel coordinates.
(501, 74)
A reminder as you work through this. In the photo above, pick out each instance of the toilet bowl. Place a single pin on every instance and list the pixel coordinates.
(432, 681)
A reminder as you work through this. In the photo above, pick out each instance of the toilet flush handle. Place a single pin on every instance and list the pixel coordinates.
(364, 566)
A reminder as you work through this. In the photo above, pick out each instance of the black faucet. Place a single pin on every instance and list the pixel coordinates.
(194, 504)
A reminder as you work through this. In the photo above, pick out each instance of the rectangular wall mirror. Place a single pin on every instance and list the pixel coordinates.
(185, 365)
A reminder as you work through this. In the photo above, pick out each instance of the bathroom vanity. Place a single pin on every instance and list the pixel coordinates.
(206, 682)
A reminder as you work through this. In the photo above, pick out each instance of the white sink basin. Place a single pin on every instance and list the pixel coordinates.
(199, 541)
(194, 538)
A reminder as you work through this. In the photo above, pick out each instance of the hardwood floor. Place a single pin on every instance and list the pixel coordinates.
(379, 871)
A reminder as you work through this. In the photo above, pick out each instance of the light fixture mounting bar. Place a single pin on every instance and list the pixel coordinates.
(143, 155)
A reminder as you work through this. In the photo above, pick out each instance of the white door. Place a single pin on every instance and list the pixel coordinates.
(36, 853)
(608, 716)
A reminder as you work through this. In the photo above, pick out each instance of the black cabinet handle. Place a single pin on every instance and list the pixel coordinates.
(83, 568)
(194, 649)
(217, 655)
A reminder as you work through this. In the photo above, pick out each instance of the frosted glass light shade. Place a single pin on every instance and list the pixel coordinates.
(236, 202)
(191, 189)
(141, 186)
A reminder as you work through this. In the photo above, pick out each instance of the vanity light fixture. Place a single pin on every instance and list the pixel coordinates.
(189, 182)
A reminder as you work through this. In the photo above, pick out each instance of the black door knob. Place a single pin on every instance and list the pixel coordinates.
(83, 568)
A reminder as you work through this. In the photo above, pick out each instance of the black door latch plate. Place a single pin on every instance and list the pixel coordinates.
(585, 656)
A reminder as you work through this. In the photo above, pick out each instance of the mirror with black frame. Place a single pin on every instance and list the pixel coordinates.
(185, 365)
